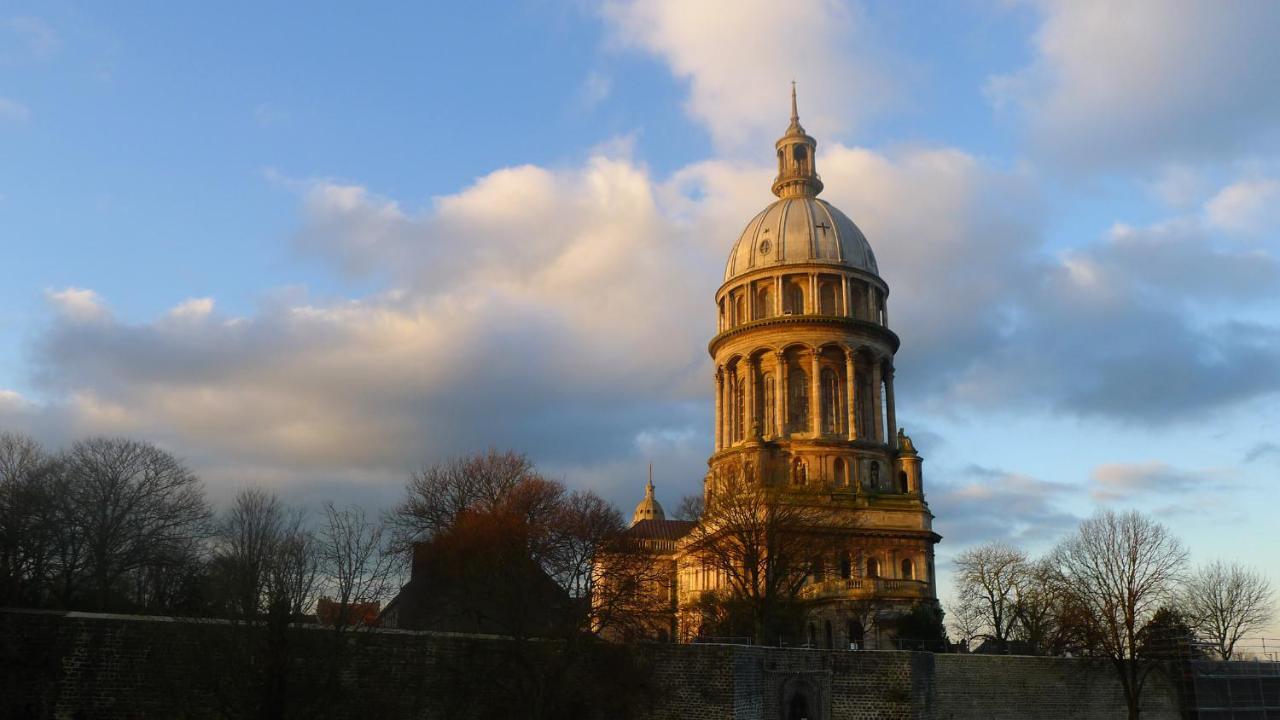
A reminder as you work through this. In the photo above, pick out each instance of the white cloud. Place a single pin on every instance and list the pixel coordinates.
(739, 56)
(13, 110)
(565, 312)
(1249, 206)
(1147, 80)
(561, 311)
(192, 309)
(78, 304)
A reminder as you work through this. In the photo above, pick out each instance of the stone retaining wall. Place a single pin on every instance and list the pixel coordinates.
(77, 665)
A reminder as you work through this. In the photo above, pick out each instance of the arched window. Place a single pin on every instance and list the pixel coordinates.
(831, 401)
(799, 475)
(739, 310)
(770, 402)
(813, 636)
(873, 568)
(830, 642)
(874, 477)
(795, 299)
(908, 569)
(846, 566)
(764, 303)
(798, 400)
(827, 299)
(904, 487)
(800, 155)
(855, 634)
(838, 470)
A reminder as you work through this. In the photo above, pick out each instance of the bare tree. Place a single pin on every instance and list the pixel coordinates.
(133, 503)
(438, 493)
(1041, 611)
(1227, 601)
(1121, 568)
(264, 558)
(585, 525)
(691, 507)
(966, 620)
(989, 577)
(26, 532)
(264, 573)
(356, 562)
(762, 540)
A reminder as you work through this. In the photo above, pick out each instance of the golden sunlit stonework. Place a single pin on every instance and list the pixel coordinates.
(804, 411)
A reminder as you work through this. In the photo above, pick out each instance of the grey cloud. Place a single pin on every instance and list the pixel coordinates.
(1262, 450)
(978, 504)
(1131, 328)
(1124, 481)
(1146, 83)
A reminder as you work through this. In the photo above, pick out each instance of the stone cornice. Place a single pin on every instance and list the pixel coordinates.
(832, 267)
(869, 328)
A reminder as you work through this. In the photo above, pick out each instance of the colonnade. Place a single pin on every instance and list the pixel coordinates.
(771, 297)
(753, 403)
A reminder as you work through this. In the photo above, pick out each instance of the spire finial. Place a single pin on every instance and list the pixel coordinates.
(795, 114)
(649, 489)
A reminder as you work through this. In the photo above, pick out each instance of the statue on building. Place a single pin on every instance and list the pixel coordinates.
(905, 446)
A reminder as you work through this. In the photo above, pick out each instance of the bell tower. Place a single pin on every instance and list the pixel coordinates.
(797, 171)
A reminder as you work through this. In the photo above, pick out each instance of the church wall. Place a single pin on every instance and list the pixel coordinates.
(56, 665)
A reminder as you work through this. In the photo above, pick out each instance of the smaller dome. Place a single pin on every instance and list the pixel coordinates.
(649, 508)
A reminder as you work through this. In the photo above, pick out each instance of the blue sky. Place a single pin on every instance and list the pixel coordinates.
(314, 250)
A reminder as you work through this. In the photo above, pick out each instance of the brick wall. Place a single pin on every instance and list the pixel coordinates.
(1004, 687)
(99, 666)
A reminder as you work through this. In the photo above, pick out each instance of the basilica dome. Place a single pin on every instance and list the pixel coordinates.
(800, 230)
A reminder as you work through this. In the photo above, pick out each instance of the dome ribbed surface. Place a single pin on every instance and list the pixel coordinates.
(800, 230)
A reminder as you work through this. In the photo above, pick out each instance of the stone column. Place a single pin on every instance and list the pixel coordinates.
(876, 391)
(777, 295)
(814, 308)
(851, 392)
(844, 296)
(750, 422)
(888, 398)
(780, 397)
(815, 397)
(886, 311)
(719, 409)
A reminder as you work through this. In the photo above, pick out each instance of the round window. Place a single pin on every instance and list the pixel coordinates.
(764, 247)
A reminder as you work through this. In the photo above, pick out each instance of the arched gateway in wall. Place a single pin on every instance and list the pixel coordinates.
(804, 402)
